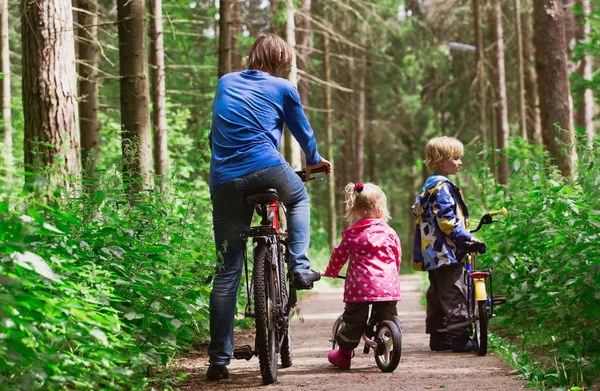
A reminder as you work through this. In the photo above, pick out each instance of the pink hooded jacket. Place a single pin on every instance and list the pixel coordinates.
(374, 251)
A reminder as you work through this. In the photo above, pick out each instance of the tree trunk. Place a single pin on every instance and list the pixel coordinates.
(480, 70)
(359, 156)
(135, 119)
(501, 104)
(585, 109)
(521, 71)
(570, 30)
(293, 153)
(331, 206)
(553, 83)
(237, 63)
(50, 92)
(225, 10)
(534, 120)
(303, 36)
(87, 38)
(5, 91)
(254, 17)
(159, 109)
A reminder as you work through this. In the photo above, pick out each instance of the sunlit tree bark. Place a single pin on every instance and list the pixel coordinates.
(7, 153)
(159, 109)
(225, 22)
(501, 104)
(585, 108)
(50, 110)
(87, 45)
(135, 117)
(532, 100)
(553, 83)
(331, 188)
(480, 70)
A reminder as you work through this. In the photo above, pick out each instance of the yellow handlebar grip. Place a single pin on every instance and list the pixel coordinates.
(502, 212)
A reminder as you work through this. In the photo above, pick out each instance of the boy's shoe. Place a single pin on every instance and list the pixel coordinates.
(304, 278)
(438, 343)
(217, 372)
(462, 346)
(340, 358)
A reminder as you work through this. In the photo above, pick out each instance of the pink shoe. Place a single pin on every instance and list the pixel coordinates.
(340, 358)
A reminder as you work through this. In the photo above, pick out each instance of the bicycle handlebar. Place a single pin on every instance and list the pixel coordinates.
(487, 218)
(502, 212)
(302, 173)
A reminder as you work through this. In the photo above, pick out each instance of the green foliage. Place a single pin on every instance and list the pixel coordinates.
(95, 291)
(545, 260)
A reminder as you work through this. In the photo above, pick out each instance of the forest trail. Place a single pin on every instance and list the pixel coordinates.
(419, 369)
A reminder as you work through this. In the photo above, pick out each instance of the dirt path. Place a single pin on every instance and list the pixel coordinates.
(419, 369)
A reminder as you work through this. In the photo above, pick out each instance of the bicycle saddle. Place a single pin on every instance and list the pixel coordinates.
(261, 196)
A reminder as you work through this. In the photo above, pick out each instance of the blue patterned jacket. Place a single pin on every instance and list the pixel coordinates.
(442, 221)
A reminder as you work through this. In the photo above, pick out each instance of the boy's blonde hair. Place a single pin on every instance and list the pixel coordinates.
(440, 149)
(270, 53)
(365, 201)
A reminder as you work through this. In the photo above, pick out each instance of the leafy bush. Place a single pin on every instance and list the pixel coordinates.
(546, 259)
(96, 290)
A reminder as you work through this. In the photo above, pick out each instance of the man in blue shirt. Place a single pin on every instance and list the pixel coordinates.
(249, 111)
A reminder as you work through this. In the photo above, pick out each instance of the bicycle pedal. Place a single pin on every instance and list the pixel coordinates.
(499, 299)
(243, 352)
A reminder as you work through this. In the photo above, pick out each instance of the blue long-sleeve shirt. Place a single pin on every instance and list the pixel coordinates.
(249, 111)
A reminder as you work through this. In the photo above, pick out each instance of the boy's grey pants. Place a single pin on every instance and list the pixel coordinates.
(447, 303)
(355, 319)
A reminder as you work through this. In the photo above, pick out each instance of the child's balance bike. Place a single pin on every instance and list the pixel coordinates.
(480, 303)
(384, 338)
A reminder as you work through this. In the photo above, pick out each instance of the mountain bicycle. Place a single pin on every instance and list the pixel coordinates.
(270, 300)
(384, 338)
(480, 303)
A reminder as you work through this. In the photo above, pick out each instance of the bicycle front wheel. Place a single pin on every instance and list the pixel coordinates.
(264, 306)
(481, 327)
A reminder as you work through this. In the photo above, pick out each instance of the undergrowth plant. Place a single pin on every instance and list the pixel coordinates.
(546, 259)
(96, 291)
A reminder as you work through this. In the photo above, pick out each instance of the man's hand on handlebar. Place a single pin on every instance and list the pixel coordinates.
(322, 166)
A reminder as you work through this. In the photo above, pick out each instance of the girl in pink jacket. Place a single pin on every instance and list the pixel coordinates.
(372, 276)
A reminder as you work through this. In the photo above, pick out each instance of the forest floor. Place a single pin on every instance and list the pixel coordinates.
(419, 369)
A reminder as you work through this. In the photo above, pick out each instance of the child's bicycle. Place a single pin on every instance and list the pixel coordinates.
(384, 338)
(480, 303)
(270, 300)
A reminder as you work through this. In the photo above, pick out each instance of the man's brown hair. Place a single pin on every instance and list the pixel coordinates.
(270, 53)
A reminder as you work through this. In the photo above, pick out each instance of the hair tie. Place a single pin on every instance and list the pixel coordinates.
(359, 187)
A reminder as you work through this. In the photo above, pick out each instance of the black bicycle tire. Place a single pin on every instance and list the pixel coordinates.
(396, 339)
(337, 326)
(286, 340)
(481, 327)
(264, 342)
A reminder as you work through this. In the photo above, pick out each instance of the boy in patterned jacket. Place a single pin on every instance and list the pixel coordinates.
(441, 225)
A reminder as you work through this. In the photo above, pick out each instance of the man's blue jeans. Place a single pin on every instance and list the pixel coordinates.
(230, 215)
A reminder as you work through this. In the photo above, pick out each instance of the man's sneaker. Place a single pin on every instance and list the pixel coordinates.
(340, 358)
(462, 346)
(304, 278)
(217, 372)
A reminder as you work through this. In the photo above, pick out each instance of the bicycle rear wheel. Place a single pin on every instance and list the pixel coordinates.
(389, 346)
(264, 307)
(286, 339)
(337, 326)
(481, 327)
